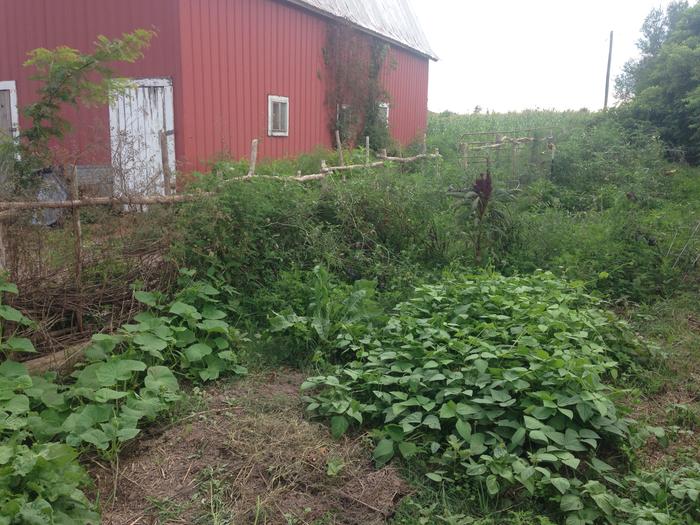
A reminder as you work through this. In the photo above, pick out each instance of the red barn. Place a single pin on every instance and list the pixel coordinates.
(222, 72)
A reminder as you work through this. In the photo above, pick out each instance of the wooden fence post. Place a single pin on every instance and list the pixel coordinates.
(165, 158)
(78, 245)
(3, 256)
(367, 150)
(340, 147)
(253, 157)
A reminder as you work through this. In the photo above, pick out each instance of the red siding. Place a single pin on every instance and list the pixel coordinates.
(235, 54)
(405, 77)
(29, 24)
(224, 56)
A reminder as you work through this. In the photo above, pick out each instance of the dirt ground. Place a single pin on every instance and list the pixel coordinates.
(244, 453)
(674, 402)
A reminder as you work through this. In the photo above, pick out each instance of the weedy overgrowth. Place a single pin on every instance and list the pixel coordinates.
(502, 383)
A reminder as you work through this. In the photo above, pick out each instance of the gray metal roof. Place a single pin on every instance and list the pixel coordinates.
(391, 19)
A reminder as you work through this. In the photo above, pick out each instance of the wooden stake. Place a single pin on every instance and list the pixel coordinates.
(3, 256)
(253, 157)
(340, 147)
(367, 150)
(165, 159)
(424, 147)
(78, 246)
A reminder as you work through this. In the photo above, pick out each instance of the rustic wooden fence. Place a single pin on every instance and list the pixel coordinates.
(81, 294)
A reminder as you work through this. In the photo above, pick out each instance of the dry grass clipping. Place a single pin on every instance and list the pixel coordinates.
(251, 457)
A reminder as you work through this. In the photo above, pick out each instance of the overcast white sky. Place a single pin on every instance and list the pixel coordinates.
(518, 54)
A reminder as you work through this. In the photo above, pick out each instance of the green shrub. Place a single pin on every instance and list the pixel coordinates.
(371, 226)
(127, 379)
(42, 484)
(493, 381)
(336, 316)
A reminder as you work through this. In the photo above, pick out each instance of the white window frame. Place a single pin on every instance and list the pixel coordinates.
(339, 108)
(387, 107)
(11, 86)
(271, 100)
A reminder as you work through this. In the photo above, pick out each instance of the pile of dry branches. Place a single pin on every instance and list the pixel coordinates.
(121, 252)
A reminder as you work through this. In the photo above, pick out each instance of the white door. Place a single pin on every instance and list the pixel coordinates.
(9, 116)
(137, 117)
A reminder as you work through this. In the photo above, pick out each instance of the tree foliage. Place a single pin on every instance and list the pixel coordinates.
(68, 77)
(662, 88)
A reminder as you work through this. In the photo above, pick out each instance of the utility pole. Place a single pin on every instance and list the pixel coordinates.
(607, 77)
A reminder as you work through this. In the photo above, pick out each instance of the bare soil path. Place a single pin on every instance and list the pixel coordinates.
(244, 453)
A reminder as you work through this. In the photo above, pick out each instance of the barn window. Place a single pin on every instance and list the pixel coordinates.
(384, 113)
(278, 116)
(344, 121)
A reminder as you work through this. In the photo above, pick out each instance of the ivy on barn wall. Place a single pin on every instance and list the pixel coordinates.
(354, 62)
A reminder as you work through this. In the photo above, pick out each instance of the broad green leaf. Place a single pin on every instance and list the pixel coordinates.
(408, 449)
(532, 423)
(339, 425)
(104, 395)
(600, 466)
(20, 344)
(198, 351)
(147, 298)
(538, 436)
(13, 369)
(161, 379)
(518, 437)
(464, 429)
(97, 438)
(585, 411)
(185, 310)
(11, 314)
(149, 342)
(476, 444)
(8, 287)
(448, 410)
(126, 434)
(383, 452)
(571, 503)
(432, 421)
(210, 312)
(492, 485)
(214, 326)
(6, 454)
(561, 484)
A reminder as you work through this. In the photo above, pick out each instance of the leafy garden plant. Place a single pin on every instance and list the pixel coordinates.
(336, 311)
(494, 381)
(127, 379)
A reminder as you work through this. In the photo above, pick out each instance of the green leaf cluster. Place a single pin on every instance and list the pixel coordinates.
(497, 381)
(127, 379)
(336, 318)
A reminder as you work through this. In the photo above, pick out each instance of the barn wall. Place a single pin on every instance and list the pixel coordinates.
(405, 77)
(29, 24)
(234, 54)
(237, 52)
(224, 56)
